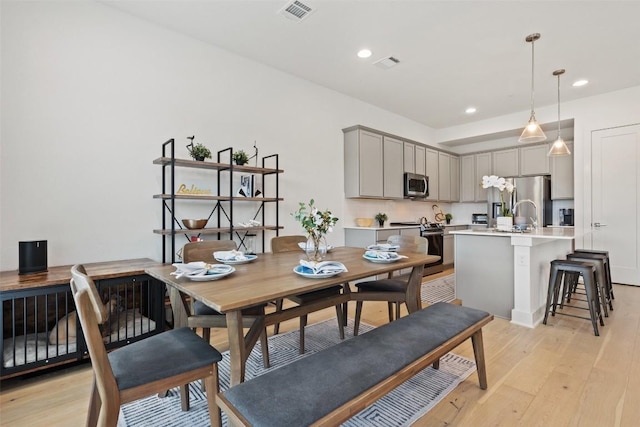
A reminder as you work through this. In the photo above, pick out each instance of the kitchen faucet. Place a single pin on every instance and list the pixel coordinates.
(534, 221)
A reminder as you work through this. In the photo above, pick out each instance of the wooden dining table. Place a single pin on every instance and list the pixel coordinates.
(269, 278)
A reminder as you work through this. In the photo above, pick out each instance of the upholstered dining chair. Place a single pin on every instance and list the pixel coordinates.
(288, 244)
(205, 317)
(142, 368)
(394, 289)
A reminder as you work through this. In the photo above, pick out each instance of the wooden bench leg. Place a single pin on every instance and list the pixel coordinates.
(478, 352)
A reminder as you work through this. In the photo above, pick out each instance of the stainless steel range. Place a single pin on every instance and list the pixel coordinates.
(434, 233)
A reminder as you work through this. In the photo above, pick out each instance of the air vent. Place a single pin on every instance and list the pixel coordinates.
(296, 11)
(386, 63)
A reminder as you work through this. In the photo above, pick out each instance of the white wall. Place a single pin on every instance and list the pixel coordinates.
(89, 94)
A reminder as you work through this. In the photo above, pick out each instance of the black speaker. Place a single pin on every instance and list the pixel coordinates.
(32, 257)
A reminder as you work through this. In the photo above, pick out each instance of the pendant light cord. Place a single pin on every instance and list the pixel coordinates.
(559, 104)
(533, 42)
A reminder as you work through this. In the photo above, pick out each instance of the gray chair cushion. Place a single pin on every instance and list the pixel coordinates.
(161, 356)
(384, 285)
(303, 391)
(314, 295)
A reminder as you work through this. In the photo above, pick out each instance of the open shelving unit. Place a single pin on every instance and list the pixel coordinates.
(223, 201)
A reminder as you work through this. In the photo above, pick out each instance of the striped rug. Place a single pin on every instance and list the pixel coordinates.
(401, 407)
(442, 289)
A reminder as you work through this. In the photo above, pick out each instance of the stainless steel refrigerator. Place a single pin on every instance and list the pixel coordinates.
(534, 188)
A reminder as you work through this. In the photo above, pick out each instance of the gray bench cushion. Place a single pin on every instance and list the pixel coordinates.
(299, 393)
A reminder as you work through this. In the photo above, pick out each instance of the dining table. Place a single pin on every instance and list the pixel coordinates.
(269, 277)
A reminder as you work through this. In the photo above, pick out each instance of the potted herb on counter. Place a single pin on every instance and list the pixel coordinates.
(381, 218)
(448, 217)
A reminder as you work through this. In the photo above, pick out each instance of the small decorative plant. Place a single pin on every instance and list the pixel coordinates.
(199, 152)
(448, 217)
(381, 218)
(240, 157)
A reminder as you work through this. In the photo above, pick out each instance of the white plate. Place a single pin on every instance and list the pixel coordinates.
(191, 266)
(381, 260)
(239, 261)
(303, 246)
(299, 269)
(217, 271)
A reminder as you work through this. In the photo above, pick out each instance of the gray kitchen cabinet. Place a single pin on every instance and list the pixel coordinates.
(393, 159)
(431, 160)
(467, 178)
(506, 162)
(409, 157)
(444, 177)
(534, 160)
(363, 164)
(420, 160)
(472, 168)
(562, 176)
(455, 178)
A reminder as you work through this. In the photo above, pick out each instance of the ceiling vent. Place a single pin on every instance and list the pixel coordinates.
(386, 63)
(296, 11)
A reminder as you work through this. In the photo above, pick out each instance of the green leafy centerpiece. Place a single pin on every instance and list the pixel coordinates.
(316, 223)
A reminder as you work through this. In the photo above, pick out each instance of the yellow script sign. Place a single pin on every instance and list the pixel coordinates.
(193, 190)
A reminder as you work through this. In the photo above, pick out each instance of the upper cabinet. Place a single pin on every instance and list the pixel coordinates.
(431, 160)
(409, 157)
(421, 160)
(363, 164)
(472, 168)
(534, 160)
(562, 176)
(454, 162)
(444, 174)
(393, 152)
(505, 162)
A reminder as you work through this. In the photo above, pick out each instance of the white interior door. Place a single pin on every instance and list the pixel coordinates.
(615, 216)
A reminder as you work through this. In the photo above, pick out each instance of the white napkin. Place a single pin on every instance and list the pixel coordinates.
(196, 267)
(324, 267)
(229, 256)
(383, 255)
(385, 247)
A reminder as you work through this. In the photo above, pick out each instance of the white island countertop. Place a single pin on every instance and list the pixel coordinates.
(540, 233)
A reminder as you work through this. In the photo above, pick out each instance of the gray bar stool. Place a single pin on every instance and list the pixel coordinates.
(557, 286)
(601, 278)
(595, 252)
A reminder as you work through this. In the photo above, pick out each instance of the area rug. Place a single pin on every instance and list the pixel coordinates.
(442, 289)
(401, 407)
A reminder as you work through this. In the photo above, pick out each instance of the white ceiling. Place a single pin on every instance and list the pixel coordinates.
(452, 53)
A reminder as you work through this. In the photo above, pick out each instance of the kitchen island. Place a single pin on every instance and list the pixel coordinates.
(507, 274)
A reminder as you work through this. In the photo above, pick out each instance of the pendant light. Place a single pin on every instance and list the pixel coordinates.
(532, 132)
(558, 148)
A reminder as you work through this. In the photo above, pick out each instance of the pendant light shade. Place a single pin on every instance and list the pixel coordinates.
(558, 148)
(532, 132)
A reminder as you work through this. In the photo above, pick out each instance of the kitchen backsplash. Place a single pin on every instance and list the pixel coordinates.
(396, 210)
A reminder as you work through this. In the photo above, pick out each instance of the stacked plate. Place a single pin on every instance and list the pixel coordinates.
(201, 272)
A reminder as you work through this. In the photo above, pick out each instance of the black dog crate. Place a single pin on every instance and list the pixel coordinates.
(35, 329)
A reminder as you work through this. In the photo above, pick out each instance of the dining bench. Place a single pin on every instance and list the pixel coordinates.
(330, 386)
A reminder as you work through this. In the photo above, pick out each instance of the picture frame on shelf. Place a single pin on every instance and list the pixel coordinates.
(246, 186)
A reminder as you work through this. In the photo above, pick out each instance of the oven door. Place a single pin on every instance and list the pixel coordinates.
(436, 247)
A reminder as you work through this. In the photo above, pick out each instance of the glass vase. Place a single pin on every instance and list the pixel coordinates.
(316, 248)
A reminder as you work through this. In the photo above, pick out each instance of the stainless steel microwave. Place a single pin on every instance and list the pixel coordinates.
(416, 185)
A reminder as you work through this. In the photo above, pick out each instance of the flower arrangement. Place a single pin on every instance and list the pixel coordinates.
(316, 223)
(501, 184)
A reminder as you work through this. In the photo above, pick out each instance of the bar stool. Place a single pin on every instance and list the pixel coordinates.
(605, 254)
(601, 278)
(558, 286)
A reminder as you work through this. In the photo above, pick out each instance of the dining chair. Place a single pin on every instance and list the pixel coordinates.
(289, 244)
(142, 368)
(202, 316)
(394, 289)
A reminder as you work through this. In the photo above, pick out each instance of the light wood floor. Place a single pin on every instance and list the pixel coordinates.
(554, 375)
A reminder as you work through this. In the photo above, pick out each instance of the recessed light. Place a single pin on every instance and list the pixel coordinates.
(364, 53)
(579, 83)
(470, 110)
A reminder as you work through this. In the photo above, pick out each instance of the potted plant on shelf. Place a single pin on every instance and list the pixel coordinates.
(381, 218)
(448, 217)
(199, 152)
(240, 157)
